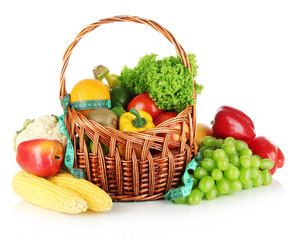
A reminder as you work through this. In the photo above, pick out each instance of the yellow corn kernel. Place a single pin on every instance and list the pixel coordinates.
(97, 199)
(44, 193)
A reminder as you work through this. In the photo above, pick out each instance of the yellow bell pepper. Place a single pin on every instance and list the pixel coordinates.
(134, 121)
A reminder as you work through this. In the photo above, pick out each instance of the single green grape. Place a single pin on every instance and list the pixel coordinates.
(245, 175)
(255, 161)
(201, 144)
(206, 184)
(240, 145)
(245, 151)
(209, 164)
(235, 185)
(194, 197)
(267, 164)
(200, 172)
(195, 180)
(259, 180)
(259, 157)
(254, 172)
(223, 164)
(209, 141)
(248, 185)
(208, 153)
(245, 161)
(217, 174)
(219, 154)
(234, 159)
(223, 186)
(181, 200)
(267, 177)
(219, 143)
(229, 140)
(229, 148)
(203, 149)
(230, 165)
(212, 194)
(232, 173)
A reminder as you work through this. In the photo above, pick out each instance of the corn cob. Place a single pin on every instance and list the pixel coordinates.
(97, 199)
(44, 193)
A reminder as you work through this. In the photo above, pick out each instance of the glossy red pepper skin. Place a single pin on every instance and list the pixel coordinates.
(265, 148)
(231, 122)
(240, 113)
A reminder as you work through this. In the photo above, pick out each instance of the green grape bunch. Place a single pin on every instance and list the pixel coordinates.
(228, 165)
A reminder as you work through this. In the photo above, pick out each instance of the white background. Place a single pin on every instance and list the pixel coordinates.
(248, 53)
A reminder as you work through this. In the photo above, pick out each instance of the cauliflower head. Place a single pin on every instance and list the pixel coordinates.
(43, 126)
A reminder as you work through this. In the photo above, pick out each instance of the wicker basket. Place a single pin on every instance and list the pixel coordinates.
(130, 178)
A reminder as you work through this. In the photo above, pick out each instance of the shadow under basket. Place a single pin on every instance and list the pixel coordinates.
(138, 165)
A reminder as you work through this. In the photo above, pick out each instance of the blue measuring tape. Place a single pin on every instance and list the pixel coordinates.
(91, 104)
(69, 157)
(185, 190)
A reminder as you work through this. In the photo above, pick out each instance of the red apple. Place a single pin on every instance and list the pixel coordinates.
(164, 117)
(41, 156)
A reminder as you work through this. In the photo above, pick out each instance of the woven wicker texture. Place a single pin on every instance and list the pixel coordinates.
(132, 178)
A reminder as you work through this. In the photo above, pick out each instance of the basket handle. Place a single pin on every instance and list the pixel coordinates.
(122, 18)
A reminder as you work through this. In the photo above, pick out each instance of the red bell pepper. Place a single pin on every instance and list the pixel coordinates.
(231, 122)
(263, 147)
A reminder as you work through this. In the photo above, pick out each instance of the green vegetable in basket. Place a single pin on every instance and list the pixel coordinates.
(89, 145)
(120, 96)
(105, 149)
(167, 81)
(118, 111)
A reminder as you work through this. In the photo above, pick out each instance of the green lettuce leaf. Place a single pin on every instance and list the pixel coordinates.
(167, 81)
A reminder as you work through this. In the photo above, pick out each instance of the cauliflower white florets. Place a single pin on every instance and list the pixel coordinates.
(43, 126)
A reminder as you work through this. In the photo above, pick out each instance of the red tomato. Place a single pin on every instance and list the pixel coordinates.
(143, 102)
(162, 118)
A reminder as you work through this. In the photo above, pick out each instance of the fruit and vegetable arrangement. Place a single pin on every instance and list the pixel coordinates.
(228, 156)
(232, 158)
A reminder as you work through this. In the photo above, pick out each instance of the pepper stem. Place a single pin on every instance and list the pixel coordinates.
(138, 122)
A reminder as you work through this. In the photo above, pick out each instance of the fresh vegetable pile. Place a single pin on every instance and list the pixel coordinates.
(232, 157)
(41, 144)
(231, 122)
(167, 81)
